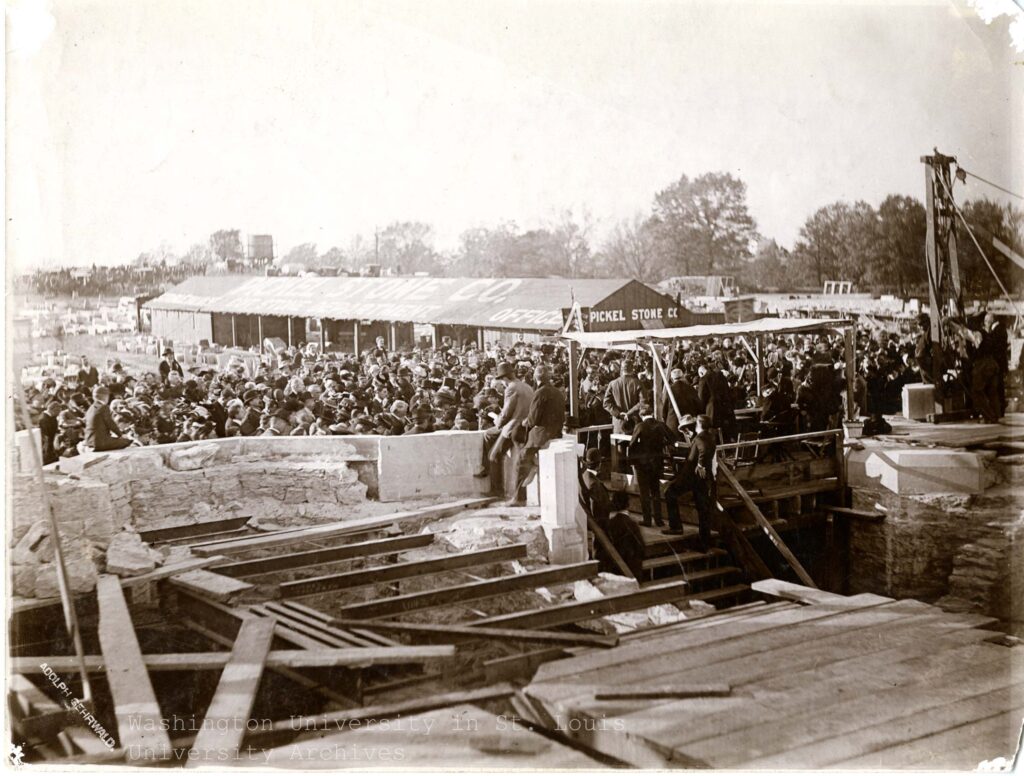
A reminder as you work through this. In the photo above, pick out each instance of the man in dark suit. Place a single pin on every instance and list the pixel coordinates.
(170, 364)
(621, 398)
(646, 452)
(514, 410)
(697, 476)
(599, 501)
(88, 377)
(686, 399)
(717, 399)
(101, 432)
(48, 429)
(253, 412)
(543, 423)
(999, 342)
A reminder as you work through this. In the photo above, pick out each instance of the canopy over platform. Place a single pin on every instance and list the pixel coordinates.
(606, 340)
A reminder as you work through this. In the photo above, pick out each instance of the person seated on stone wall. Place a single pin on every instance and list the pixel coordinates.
(101, 431)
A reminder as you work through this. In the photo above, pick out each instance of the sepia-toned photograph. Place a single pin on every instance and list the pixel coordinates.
(674, 351)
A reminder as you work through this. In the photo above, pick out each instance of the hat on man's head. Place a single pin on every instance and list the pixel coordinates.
(687, 420)
(676, 374)
(251, 394)
(168, 351)
(504, 369)
(704, 420)
(593, 457)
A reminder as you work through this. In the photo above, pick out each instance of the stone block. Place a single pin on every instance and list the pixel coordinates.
(918, 400)
(424, 465)
(23, 580)
(907, 471)
(192, 457)
(128, 555)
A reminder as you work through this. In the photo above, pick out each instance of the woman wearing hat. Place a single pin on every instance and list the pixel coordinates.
(170, 364)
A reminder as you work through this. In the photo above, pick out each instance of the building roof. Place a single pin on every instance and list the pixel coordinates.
(617, 339)
(510, 303)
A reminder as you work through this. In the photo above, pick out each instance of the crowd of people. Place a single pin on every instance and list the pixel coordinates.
(300, 391)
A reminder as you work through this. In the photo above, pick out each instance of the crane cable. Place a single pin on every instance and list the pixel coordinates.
(978, 246)
(990, 183)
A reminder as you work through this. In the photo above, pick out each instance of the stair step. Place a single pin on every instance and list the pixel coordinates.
(681, 558)
(700, 576)
(720, 592)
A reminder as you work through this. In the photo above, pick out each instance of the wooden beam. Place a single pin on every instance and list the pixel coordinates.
(210, 585)
(321, 657)
(858, 514)
(340, 528)
(192, 529)
(33, 714)
(445, 596)
(610, 548)
(464, 631)
(139, 720)
(227, 717)
(576, 611)
(678, 692)
(773, 536)
(298, 560)
(809, 595)
(378, 574)
(294, 611)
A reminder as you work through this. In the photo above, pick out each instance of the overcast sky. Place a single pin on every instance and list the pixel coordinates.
(139, 121)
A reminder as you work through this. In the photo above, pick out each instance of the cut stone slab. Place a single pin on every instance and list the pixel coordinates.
(192, 457)
(128, 555)
(911, 472)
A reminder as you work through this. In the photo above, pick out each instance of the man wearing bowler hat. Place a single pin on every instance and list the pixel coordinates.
(697, 476)
(514, 410)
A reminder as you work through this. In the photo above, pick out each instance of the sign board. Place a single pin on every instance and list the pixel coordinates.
(739, 310)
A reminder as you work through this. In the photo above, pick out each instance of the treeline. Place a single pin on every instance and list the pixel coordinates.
(695, 226)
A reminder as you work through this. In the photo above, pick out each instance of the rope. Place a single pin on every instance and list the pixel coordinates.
(978, 246)
(990, 183)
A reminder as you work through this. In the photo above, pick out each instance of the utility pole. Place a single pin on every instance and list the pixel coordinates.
(944, 293)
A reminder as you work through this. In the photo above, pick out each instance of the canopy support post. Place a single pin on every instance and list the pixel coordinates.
(323, 335)
(234, 334)
(759, 351)
(659, 383)
(259, 329)
(355, 338)
(851, 363)
(574, 382)
(659, 368)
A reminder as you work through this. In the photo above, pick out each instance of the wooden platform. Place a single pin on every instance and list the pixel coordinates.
(857, 682)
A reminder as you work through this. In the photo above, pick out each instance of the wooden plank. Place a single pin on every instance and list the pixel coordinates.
(718, 637)
(227, 717)
(719, 690)
(969, 707)
(299, 678)
(806, 595)
(215, 586)
(576, 611)
(828, 722)
(361, 632)
(84, 740)
(320, 657)
(896, 661)
(858, 514)
(136, 709)
(298, 560)
(193, 529)
(961, 749)
(473, 591)
(454, 632)
(724, 470)
(33, 714)
(610, 548)
(193, 564)
(317, 627)
(341, 528)
(364, 577)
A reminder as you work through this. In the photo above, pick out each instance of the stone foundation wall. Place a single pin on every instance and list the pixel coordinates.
(954, 548)
(281, 481)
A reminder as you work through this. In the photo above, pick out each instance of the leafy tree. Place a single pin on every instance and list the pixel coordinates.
(571, 246)
(632, 250)
(899, 260)
(486, 252)
(199, 254)
(989, 219)
(333, 257)
(407, 247)
(838, 242)
(226, 244)
(769, 269)
(705, 223)
(304, 254)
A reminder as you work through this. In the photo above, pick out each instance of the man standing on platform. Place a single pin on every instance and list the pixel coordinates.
(716, 396)
(686, 399)
(543, 423)
(697, 476)
(514, 410)
(621, 399)
(646, 453)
